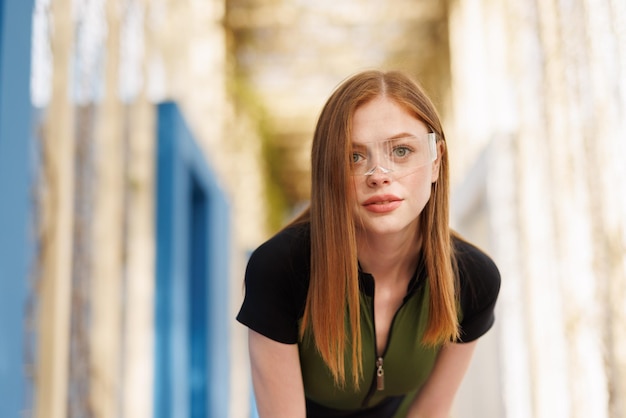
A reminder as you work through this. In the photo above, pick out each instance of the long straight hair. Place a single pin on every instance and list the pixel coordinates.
(332, 311)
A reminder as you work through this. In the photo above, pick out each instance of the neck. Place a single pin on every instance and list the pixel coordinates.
(389, 257)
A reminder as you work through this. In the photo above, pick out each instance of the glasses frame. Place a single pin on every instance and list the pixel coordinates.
(432, 149)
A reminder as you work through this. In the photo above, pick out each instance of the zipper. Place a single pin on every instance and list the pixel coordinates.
(378, 382)
(380, 374)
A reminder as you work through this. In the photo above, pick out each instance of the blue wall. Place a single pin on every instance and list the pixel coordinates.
(192, 359)
(15, 142)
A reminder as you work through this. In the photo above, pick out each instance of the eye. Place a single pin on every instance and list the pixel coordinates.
(401, 151)
(356, 158)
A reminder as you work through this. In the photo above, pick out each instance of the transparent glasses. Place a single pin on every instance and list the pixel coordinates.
(401, 156)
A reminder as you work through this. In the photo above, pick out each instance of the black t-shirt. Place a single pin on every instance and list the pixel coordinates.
(277, 279)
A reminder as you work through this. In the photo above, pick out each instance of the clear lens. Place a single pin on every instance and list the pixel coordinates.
(398, 155)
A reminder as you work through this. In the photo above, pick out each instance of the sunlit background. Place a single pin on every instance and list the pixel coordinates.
(148, 146)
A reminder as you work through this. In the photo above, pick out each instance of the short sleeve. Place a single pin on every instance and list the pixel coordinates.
(480, 285)
(276, 281)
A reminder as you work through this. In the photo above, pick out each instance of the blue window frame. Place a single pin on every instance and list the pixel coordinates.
(15, 206)
(192, 360)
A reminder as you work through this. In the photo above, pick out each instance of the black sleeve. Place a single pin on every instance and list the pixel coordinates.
(275, 287)
(480, 285)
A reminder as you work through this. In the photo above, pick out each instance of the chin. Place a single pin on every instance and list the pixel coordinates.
(384, 227)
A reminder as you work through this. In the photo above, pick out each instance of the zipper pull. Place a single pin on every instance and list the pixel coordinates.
(380, 374)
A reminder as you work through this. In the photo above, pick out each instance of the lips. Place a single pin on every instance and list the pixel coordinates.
(382, 204)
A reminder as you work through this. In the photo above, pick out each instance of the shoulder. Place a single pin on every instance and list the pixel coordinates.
(288, 250)
(475, 267)
(479, 286)
(276, 285)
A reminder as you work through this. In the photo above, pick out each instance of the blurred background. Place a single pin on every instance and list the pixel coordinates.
(148, 146)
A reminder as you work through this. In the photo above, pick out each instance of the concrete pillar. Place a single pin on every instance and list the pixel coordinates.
(57, 196)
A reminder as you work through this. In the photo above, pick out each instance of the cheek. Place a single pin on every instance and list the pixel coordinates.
(423, 178)
(420, 186)
(423, 190)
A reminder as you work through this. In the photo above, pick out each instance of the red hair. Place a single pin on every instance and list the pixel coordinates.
(332, 311)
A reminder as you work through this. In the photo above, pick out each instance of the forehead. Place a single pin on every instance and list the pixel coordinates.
(383, 118)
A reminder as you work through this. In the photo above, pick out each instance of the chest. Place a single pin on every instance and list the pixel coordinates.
(407, 362)
(386, 303)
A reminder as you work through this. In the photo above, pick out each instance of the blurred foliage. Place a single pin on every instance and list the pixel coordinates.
(250, 107)
(289, 55)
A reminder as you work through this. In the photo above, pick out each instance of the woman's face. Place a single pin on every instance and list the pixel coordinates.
(388, 197)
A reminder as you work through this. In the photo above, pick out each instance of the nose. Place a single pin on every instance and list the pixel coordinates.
(378, 176)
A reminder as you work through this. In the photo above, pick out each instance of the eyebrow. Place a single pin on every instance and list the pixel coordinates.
(391, 138)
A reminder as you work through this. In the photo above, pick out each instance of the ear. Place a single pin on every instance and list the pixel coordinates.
(441, 148)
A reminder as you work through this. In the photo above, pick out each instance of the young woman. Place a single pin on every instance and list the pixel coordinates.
(368, 305)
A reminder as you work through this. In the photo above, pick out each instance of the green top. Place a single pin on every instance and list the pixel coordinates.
(277, 281)
(406, 361)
